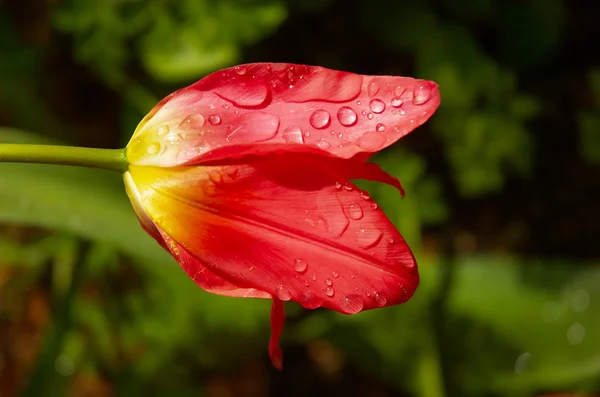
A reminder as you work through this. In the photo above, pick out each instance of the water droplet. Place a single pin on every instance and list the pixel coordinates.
(153, 148)
(368, 294)
(241, 70)
(391, 240)
(162, 130)
(300, 266)
(377, 106)
(340, 135)
(307, 134)
(192, 122)
(352, 276)
(348, 187)
(311, 222)
(370, 116)
(397, 102)
(364, 195)
(306, 283)
(328, 282)
(379, 299)
(320, 119)
(338, 185)
(314, 277)
(380, 127)
(335, 274)
(352, 304)
(374, 205)
(369, 237)
(214, 120)
(373, 88)
(323, 144)
(283, 293)
(422, 95)
(355, 211)
(329, 292)
(347, 116)
(293, 135)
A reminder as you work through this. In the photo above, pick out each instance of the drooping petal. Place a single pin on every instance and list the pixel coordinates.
(275, 103)
(288, 225)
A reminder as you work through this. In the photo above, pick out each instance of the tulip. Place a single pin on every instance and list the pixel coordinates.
(244, 177)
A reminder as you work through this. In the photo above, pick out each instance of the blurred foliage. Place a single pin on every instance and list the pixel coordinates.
(510, 288)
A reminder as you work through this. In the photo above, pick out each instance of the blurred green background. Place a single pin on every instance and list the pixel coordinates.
(501, 209)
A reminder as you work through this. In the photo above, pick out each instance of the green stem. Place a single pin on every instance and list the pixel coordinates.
(108, 159)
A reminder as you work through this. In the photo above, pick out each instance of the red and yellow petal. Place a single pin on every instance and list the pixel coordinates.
(275, 103)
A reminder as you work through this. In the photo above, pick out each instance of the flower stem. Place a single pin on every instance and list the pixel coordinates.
(108, 159)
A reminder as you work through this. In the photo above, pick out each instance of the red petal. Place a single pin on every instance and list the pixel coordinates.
(339, 112)
(277, 322)
(291, 226)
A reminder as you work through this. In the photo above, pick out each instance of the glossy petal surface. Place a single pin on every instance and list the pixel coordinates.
(290, 226)
(270, 103)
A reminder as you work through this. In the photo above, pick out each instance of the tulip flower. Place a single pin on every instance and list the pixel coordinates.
(245, 178)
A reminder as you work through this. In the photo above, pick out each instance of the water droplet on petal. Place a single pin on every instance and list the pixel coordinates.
(335, 274)
(329, 292)
(328, 282)
(214, 120)
(307, 134)
(320, 119)
(374, 205)
(300, 266)
(397, 102)
(368, 294)
(379, 299)
(192, 122)
(241, 70)
(348, 187)
(373, 88)
(391, 240)
(153, 148)
(283, 293)
(380, 127)
(369, 237)
(370, 116)
(352, 304)
(314, 277)
(355, 211)
(352, 276)
(377, 106)
(422, 95)
(323, 144)
(162, 130)
(364, 195)
(347, 116)
(306, 283)
(293, 135)
(338, 185)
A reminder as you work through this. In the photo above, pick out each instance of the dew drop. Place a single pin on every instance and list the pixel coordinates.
(306, 283)
(380, 127)
(192, 122)
(323, 144)
(374, 205)
(364, 195)
(153, 148)
(162, 130)
(391, 240)
(347, 116)
(355, 211)
(283, 293)
(329, 292)
(368, 294)
(377, 106)
(307, 134)
(352, 276)
(379, 299)
(348, 187)
(328, 282)
(300, 266)
(320, 119)
(340, 135)
(369, 237)
(370, 116)
(335, 274)
(293, 135)
(338, 185)
(241, 70)
(214, 120)
(314, 277)
(422, 95)
(397, 102)
(373, 88)
(352, 304)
